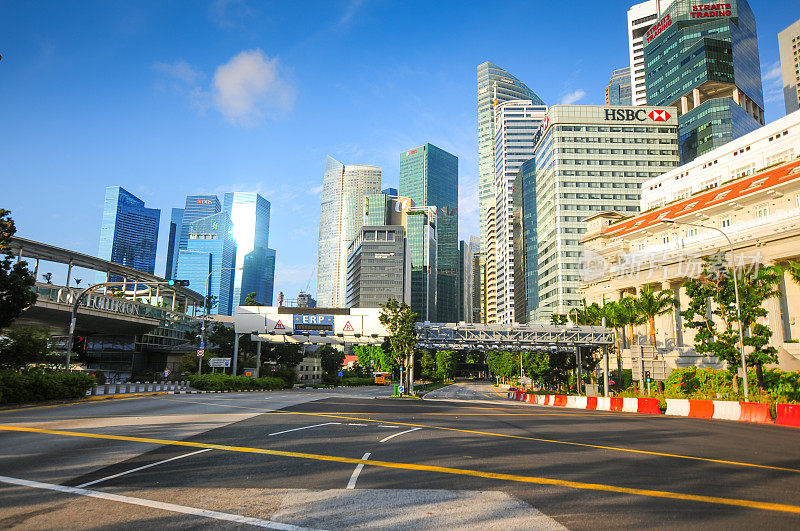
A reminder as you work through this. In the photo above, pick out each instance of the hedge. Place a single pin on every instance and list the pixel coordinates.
(226, 382)
(34, 385)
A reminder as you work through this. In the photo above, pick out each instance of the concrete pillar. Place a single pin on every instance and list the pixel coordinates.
(69, 273)
(737, 96)
(684, 104)
(695, 98)
(19, 255)
(173, 301)
(235, 351)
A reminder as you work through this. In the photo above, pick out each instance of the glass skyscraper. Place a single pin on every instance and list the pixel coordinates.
(175, 221)
(421, 232)
(618, 91)
(429, 176)
(703, 59)
(526, 267)
(196, 207)
(129, 231)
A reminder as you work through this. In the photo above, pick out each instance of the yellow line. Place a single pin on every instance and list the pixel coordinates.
(768, 506)
(78, 402)
(498, 392)
(493, 434)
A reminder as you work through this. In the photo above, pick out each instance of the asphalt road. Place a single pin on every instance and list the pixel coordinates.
(462, 458)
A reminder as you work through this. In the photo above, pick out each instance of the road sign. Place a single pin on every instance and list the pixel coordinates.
(341, 374)
(401, 388)
(201, 352)
(219, 362)
(202, 344)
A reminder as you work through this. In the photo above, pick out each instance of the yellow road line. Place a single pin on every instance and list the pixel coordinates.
(498, 392)
(509, 436)
(768, 506)
(77, 402)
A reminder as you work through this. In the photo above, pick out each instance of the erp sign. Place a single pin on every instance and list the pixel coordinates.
(313, 323)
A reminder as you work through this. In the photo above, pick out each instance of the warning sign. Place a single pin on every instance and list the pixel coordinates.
(348, 327)
(279, 326)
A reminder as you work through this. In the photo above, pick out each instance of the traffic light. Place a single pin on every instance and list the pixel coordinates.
(79, 344)
(174, 282)
(647, 376)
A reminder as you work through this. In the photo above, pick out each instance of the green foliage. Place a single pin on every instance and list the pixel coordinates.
(445, 367)
(503, 364)
(286, 374)
(697, 383)
(226, 382)
(36, 384)
(587, 315)
(15, 279)
(558, 319)
(330, 358)
(651, 304)
(427, 364)
(399, 322)
(25, 345)
(353, 381)
(250, 300)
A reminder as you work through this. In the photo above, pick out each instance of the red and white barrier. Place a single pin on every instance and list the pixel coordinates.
(788, 414)
(719, 409)
(629, 405)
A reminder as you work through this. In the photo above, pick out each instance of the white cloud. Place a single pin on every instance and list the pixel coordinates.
(573, 97)
(772, 82)
(315, 190)
(250, 86)
(179, 70)
(229, 14)
(770, 72)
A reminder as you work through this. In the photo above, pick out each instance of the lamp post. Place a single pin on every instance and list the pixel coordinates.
(736, 292)
(205, 315)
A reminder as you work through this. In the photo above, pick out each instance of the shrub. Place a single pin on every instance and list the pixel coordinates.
(351, 382)
(226, 382)
(35, 384)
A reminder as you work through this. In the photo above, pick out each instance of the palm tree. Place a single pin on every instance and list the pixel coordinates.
(48, 278)
(650, 304)
(588, 315)
(629, 316)
(614, 319)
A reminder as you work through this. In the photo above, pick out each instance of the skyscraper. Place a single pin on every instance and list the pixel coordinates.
(429, 176)
(378, 267)
(495, 85)
(618, 91)
(421, 232)
(526, 273)
(640, 17)
(208, 260)
(475, 285)
(250, 214)
(173, 244)
(196, 207)
(464, 282)
(703, 59)
(789, 48)
(129, 231)
(516, 123)
(341, 217)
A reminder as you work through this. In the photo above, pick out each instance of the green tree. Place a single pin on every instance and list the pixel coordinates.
(398, 319)
(331, 359)
(629, 316)
(503, 364)
(23, 346)
(587, 315)
(445, 366)
(794, 270)
(427, 364)
(558, 319)
(651, 304)
(250, 300)
(15, 279)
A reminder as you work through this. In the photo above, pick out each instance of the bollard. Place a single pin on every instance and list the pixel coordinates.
(118, 389)
(106, 388)
(94, 390)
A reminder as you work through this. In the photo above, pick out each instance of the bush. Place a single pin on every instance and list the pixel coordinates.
(352, 382)
(226, 382)
(285, 373)
(35, 384)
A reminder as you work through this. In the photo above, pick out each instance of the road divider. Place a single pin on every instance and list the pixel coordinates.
(788, 414)
(720, 410)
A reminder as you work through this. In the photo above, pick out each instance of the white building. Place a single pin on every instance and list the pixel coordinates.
(516, 122)
(640, 18)
(771, 144)
(341, 217)
(789, 49)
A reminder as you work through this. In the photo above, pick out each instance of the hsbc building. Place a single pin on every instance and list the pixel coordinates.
(590, 159)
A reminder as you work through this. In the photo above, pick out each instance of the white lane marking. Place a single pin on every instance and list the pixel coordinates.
(142, 468)
(387, 426)
(205, 513)
(304, 428)
(354, 477)
(356, 424)
(398, 433)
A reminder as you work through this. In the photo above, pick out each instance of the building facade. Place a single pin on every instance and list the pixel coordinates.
(495, 85)
(196, 207)
(422, 232)
(704, 61)
(640, 17)
(378, 267)
(341, 217)
(129, 231)
(591, 159)
(175, 220)
(429, 176)
(516, 123)
(208, 260)
(255, 261)
(477, 275)
(618, 91)
(789, 49)
(465, 278)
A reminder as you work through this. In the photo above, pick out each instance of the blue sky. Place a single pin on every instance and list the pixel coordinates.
(169, 98)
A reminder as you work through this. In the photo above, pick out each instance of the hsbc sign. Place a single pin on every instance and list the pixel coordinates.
(637, 115)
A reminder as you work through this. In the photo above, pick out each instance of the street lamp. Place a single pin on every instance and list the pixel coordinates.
(205, 315)
(736, 292)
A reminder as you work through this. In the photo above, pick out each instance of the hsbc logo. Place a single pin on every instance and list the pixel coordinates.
(639, 115)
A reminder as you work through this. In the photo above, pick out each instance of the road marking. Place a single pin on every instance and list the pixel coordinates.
(304, 428)
(387, 426)
(522, 437)
(205, 513)
(141, 468)
(767, 506)
(399, 433)
(354, 424)
(498, 393)
(354, 476)
(78, 402)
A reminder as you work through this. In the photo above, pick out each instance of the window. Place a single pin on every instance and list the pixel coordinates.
(725, 222)
(691, 231)
(762, 211)
(665, 239)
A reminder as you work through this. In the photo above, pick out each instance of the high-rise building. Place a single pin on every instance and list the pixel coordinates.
(465, 278)
(175, 220)
(640, 17)
(703, 59)
(591, 159)
(305, 300)
(129, 231)
(390, 192)
(341, 217)
(421, 232)
(208, 260)
(495, 85)
(489, 293)
(378, 267)
(789, 48)
(526, 256)
(250, 213)
(618, 91)
(475, 284)
(516, 123)
(429, 176)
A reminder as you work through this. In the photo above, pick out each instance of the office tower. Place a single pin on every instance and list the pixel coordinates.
(490, 269)
(129, 231)
(591, 159)
(475, 284)
(526, 266)
(208, 260)
(378, 267)
(429, 176)
(250, 213)
(305, 300)
(704, 61)
(465, 278)
(422, 234)
(618, 91)
(382, 209)
(640, 18)
(196, 207)
(341, 217)
(390, 192)
(175, 220)
(789, 48)
(495, 85)
(516, 123)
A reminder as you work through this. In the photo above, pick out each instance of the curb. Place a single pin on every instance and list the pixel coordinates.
(125, 395)
(198, 392)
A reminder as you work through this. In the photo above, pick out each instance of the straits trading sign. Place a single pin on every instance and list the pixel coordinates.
(101, 302)
(711, 10)
(657, 28)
